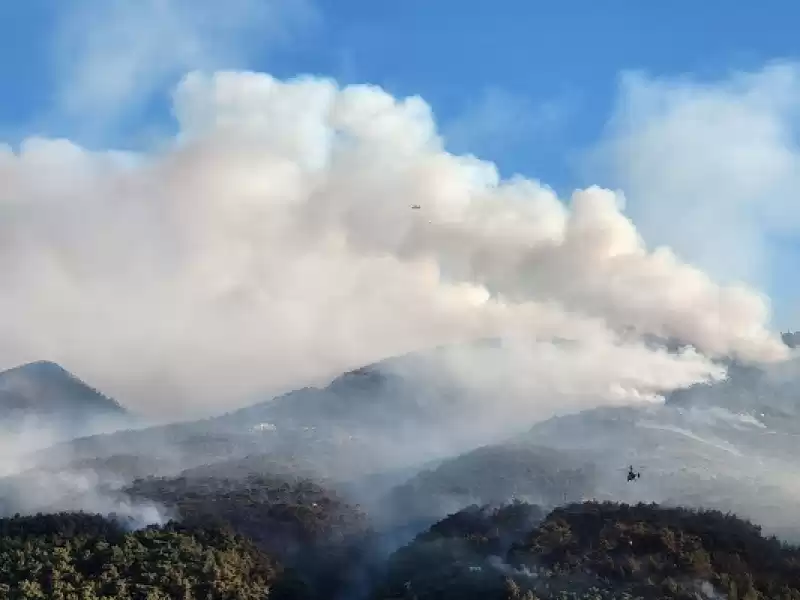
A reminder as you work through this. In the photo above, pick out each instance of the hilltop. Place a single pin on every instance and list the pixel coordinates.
(45, 394)
(593, 551)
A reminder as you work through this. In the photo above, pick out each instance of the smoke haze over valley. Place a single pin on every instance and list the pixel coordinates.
(272, 245)
(313, 313)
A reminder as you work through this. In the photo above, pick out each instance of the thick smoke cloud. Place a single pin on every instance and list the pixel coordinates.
(110, 58)
(711, 166)
(273, 244)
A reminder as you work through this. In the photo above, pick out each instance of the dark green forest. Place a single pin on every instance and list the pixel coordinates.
(306, 526)
(593, 551)
(84, 557)
(274, 538)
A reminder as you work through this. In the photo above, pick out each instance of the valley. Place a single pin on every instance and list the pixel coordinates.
(328, 492)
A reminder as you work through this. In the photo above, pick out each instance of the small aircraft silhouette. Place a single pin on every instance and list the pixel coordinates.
(415, 207)
(633, 475)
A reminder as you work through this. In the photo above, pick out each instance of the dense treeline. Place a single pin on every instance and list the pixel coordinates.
(658, 550)
(280, 513)
(307, 527)
(76, 556)
(459, 556)
(594, 550)
(518, 551)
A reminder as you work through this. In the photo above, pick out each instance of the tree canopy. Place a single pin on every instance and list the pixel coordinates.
(83, 557)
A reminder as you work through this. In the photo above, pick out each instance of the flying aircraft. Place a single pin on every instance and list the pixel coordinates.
(633, 475)
(415, 207)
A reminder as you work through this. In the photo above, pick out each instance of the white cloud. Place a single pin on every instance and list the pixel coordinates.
(111, 56)
(500, 120)
(273, 244)
(711, 168)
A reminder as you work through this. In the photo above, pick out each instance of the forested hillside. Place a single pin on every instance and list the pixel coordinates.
(304, 525)
(77, 556)
(593, 551)
(518, 551)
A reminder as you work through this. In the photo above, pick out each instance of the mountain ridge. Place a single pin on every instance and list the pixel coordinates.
(43, 394)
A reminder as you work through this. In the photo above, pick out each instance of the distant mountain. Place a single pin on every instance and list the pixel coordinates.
(493, 475)
(769, 394)
(730, 445)
(696, 456)
(45, 394)
(387, 416)
(393, 396)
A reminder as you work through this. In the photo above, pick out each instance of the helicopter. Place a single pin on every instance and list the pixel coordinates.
(633, 475)
(415, 207)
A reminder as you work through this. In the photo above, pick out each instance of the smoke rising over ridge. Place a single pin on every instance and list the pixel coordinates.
(273, 244)
(712, 154)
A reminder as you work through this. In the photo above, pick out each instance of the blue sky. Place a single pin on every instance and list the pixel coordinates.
(549, 90)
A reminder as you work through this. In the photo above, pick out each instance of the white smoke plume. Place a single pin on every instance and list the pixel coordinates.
(711, 167)
(27, 485)
(18, 445)
(274, 244)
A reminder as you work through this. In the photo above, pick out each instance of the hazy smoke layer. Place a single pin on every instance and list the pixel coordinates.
(273, 243)
(29, 486)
